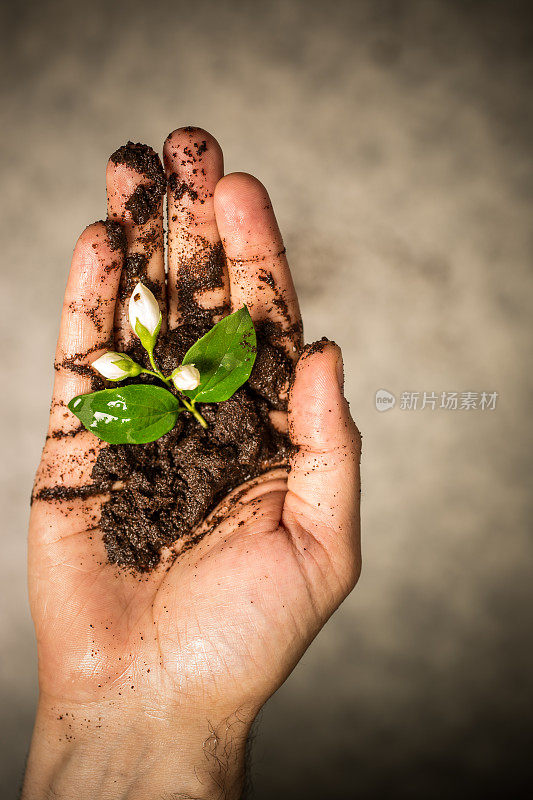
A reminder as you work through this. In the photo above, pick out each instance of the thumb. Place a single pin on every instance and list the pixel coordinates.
(324, 484)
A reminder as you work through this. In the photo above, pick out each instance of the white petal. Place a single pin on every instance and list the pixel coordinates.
(144, 307)
(107, 367)
(186, 378)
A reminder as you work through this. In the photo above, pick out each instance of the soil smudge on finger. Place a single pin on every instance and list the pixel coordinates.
(116, 235)
(145, 201)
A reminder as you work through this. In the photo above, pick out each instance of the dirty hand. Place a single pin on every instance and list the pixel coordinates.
(149, 683)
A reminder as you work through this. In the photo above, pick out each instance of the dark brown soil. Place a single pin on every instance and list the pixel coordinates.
(173, 483)
(116, 235)
(180, 188)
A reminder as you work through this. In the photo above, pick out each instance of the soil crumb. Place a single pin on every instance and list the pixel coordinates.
(170, 485)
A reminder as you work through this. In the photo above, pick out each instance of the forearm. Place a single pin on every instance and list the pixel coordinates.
(112, 752)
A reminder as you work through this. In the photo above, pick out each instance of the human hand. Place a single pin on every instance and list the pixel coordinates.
(149, 683)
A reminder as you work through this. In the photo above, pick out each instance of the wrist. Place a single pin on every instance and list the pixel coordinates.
(113, 751)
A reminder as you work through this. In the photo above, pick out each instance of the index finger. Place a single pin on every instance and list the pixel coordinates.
(87, 319)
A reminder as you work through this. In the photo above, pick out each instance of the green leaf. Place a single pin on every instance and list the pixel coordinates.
(225, 357)
(133, 414)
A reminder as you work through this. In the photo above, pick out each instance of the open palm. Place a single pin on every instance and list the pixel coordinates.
(225, 624)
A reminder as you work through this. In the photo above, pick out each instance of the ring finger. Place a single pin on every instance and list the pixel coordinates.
(135, 190)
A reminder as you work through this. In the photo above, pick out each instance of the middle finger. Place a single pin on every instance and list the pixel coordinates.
(198, 286)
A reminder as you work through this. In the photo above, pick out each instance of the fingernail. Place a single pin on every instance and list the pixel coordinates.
(340, 372)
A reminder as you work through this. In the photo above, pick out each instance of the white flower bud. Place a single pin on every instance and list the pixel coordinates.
(186, 378)
(143, 307)
(116, 366)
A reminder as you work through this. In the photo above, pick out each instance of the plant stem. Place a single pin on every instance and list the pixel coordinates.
(190, 407)
(149, 372)
(157, 372)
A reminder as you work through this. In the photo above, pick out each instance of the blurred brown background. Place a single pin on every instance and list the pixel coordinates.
(395, 140)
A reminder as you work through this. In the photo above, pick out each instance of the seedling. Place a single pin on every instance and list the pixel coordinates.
(211, 371)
